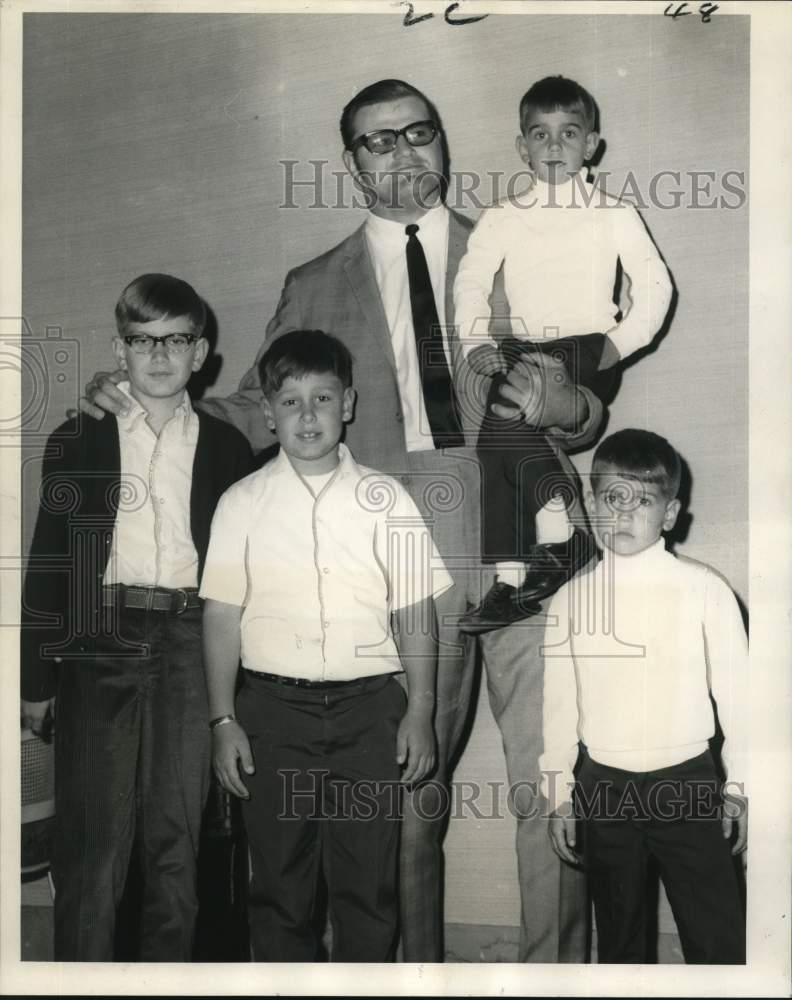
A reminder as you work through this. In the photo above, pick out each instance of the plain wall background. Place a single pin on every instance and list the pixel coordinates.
(152, 142)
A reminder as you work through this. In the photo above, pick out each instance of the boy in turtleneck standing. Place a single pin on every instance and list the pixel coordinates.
(560, 244)
(636, 648)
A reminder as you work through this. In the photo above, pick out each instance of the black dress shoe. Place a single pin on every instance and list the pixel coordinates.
(550, 566)
(498, 609)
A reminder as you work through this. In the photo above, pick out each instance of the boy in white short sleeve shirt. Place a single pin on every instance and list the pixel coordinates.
(310, 558)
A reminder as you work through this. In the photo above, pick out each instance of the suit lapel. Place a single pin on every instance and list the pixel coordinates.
(360, 274)
(458, 233)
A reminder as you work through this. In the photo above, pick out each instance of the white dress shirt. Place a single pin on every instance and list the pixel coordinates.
(152, 541)
(318, 576)
(387, 243)
(559, 246)
(632, 650)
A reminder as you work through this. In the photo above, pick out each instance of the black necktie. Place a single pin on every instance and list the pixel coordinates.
(438, 389)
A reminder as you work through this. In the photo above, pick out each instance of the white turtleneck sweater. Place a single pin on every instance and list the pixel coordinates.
(633, 648)
(559, 246)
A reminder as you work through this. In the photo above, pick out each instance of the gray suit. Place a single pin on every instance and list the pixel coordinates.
(337, 292)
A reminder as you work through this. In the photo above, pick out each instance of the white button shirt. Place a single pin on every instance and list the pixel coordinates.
(318, 576)
(632, 650)
(387, 243)
(559, 246)
(152, 541)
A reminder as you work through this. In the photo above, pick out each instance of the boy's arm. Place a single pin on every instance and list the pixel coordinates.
(650, 288)
(224, 587)
(727, 663)
(414, 630)
(46, 588)
(221, 646)
(416, 576)
(473, 283)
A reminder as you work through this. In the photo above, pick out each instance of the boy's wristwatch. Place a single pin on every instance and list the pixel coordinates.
(221, 720)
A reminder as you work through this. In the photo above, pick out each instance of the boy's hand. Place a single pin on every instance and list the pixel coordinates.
(101, 395)
(561, 828)
(486, 359)
(415, 747)
(735, 811)
(230, 749)
(540, 388)
(33, 714)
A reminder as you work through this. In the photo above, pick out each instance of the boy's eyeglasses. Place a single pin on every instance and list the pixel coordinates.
(175, 343)
(384, 140)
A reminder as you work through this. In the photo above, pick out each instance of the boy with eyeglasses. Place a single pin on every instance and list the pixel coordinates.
(561, 244)
(113, 635)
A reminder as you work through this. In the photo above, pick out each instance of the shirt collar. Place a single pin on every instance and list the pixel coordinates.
(650, 561)
(128, 423)
(387, 232)
(544, 195)
(347, 466)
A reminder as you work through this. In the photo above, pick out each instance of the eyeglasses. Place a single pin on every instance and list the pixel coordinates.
(175, 343)
(384, 140)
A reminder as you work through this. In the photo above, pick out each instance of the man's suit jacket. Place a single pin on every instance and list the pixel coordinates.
(337, 292)
(81, 489)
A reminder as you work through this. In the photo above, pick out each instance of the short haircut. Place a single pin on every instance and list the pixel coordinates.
(159, 296)
(300, 353)
(641, 455)
(557, 93)
(379, 93)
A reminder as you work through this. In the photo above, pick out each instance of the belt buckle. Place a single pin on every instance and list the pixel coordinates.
(184, 601)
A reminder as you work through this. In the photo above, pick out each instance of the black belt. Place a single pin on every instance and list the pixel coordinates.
(175, 601)
(302, 682)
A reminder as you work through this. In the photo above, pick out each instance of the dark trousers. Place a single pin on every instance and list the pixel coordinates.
(673, 816)
(324, 799)
(520, 471)
(131, 761)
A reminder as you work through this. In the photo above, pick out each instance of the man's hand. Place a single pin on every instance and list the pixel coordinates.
(230, 749)
(101, 395)
(540, 388)
(561, 829)
(415, 746)
(735, 811)
(33, 714)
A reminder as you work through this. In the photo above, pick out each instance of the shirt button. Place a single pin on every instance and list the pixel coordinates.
(327, 624)
(326, 569)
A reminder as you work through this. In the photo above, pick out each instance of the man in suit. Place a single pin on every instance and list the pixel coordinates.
(417, 417)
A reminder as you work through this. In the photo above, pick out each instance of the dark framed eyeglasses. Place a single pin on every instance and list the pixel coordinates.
(175, 343)
(384, 140)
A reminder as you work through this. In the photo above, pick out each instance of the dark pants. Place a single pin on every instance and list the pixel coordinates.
(324, 800)
(673, 816)
(131, 760)
(520, 471)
